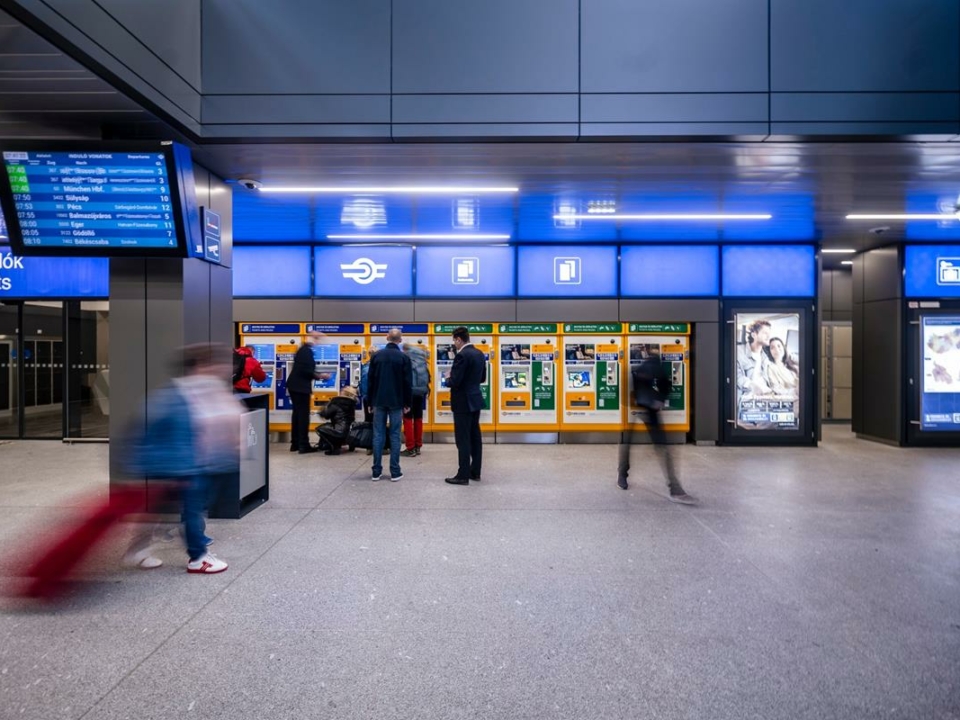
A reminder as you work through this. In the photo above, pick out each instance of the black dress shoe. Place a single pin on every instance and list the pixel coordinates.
(475, 477)
(309, 450)
(457, 480)
(294, 449)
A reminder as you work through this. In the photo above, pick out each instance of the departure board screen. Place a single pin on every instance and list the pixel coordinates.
(93, 202)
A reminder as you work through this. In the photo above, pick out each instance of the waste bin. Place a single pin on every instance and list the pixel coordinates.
(240, 492)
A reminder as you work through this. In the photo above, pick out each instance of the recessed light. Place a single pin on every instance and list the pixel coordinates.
(418, 236)
(940, 217)
(680, 217)
(846, 262)
(390, 189)
(840, 251)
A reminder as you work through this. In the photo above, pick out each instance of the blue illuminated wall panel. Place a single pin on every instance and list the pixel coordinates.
(927, 202)
(769, 271)
(268, 271)
(465, 271)
(363, 271)
(268, 218)
(567, 272)
(931, 271)
(670, 271)
(53, 277)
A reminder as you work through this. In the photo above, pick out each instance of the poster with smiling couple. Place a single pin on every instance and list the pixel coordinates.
(768, 371)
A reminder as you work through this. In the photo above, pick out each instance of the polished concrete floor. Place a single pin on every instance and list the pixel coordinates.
(810, 583)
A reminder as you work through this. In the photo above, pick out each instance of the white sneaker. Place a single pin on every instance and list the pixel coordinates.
(207, 565)
(142, 559)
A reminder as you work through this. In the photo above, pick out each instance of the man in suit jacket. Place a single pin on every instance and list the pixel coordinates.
(300, 389)
(466, 401)
(390, 383)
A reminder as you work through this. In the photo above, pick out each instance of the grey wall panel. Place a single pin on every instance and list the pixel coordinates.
(606, 310)
(706, 129)
(367, 132)
(707, 107)
(865, 107)
(705, 357)
(672, 310)
(480, 311)
(676, 46)
(197, 301)
(468, 131)
(842, 294)
(298, 47)
(856, 278)
(931, 132)
(128, 350)
(221, 305)
(286, 310)
(881, 398)
(151, 23)
(307, 109)
(434, 109)
(399, 310)
(882, 275)
(825, 299)
(825, 45)
(495, 46)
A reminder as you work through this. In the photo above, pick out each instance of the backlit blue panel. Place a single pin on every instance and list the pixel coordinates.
(266, 218)
(536, 220)
(478, 214)
(365, 214)
(669, 271)
(465, 271)
(931, 202)
(363, 271)
(673, 203)
(769, 271)
(793, 216)
(564, 272)
(268, 271)
(931, 271)
(53, 277)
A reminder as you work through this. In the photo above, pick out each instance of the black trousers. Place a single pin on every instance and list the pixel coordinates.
(300, 422)
(658, 436)
(466, 433)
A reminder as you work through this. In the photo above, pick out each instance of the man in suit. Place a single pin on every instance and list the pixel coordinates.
(466, 401)
(390, 383)
(300, 388)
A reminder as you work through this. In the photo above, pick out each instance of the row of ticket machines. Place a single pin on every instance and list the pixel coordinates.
(541, 377)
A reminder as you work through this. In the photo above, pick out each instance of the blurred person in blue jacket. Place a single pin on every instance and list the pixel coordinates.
(191, 435)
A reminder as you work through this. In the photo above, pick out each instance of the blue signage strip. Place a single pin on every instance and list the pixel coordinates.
(363, 271)
(564, 272)
(670, 271)
(931, 271)
(336, 329)
(406, 328)
(267, 271)
(769, 271)
(465, 271)
(53, 277)
(270, 329)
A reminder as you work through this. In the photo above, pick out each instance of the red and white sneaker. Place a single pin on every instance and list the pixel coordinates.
(206, 564)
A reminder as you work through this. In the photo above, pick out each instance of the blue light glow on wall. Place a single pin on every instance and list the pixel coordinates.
(269, 218)
(769, 271)
(669, 271)
(931, 202)
(566, 272)
(478, 271)
(363, 271)
(931, 271)
(793, 215)
(268, 271)
(53, 277)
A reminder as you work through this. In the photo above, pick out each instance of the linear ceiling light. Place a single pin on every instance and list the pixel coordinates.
(417, 236)
(846, 262)
(392, 189)
(665, 216)
(940, 217)
(840, 251)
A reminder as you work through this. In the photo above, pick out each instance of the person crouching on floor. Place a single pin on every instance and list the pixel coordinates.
(340, 411)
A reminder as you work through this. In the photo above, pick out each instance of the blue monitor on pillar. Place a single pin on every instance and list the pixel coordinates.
(100, 199)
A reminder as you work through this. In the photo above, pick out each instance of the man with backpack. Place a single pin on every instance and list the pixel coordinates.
(245, 368)
(419, 390)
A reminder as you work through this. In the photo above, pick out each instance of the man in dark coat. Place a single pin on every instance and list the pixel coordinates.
(469, 371)
(390, 383)
(300, 388)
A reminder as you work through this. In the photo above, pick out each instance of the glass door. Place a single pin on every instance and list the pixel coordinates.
(42, 369)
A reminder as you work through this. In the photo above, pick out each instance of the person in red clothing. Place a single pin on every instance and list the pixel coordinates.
(245, 367)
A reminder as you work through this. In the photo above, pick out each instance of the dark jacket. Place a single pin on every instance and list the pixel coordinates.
(251, 369)
(390, 378)
(468, 372)
(651, 383)
(301, 375)
(341, 412)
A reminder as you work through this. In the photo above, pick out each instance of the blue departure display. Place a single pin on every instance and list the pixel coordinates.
(465, 271)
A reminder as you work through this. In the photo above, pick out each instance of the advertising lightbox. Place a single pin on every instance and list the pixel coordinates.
(939, 392)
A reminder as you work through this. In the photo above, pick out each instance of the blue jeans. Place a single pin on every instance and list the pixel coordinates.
(380, 415)
(196, 496)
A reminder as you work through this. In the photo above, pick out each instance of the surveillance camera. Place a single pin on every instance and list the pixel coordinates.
(250, 184)
(879, 230)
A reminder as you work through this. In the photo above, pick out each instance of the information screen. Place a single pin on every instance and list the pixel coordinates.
(939, 393)
(93, 202)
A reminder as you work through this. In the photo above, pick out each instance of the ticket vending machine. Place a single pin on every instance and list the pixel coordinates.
(274, 345)
(527, 354)
(418, 335)
(590, 382)
(671, 343)
(482, 338)
(337, 359)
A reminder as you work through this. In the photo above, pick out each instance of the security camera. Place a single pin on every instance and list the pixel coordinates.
(250, 184)
(879, 230)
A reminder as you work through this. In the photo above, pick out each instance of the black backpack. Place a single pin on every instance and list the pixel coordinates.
(239, 365)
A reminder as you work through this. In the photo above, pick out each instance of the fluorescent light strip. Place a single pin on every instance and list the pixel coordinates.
(846, 262)
(416, 236)
(396, 189)
(906, 216)
(663, 216)
(839, 251)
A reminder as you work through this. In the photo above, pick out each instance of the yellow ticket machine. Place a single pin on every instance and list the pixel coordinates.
(274, 345)
(527, 355)
(417, 335)
(590, 379)
(482, 337)
(671, 342)
(337, 359)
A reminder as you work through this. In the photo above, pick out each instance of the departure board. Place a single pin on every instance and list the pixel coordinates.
(94, 202)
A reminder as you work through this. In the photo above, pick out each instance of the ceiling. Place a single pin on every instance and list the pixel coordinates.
(808, 187)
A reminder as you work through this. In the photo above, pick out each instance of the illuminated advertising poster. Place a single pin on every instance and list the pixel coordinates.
(527, 376)
(940, 387)
(768, 388)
